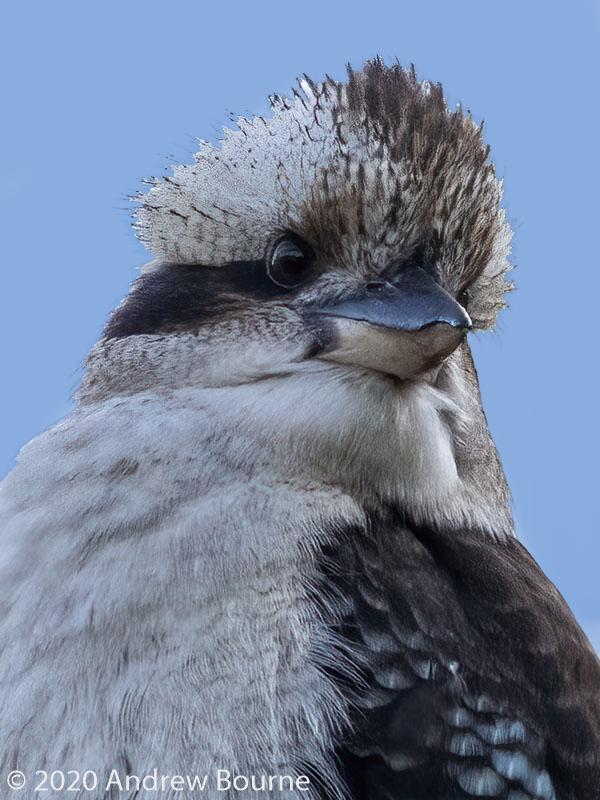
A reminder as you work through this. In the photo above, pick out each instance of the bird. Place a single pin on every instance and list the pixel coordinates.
(274, 541)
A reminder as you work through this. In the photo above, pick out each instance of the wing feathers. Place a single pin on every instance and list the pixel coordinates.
(481, 683)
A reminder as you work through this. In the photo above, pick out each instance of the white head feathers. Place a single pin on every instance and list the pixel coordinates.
(377, 168)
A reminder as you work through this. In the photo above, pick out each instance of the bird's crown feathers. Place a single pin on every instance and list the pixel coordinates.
(367, 172)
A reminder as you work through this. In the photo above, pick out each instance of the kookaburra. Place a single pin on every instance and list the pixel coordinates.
(274, 538)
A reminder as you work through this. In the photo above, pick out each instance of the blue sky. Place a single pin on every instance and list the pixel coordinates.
(100, 95)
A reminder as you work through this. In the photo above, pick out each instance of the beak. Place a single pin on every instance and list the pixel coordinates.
(403, 328)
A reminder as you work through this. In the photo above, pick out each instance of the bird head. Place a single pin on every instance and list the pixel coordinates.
(362, 217)
(357, 230)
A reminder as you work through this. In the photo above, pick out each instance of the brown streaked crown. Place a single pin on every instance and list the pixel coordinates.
(368, 172)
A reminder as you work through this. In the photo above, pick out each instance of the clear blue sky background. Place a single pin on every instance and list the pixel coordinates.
(96, 96)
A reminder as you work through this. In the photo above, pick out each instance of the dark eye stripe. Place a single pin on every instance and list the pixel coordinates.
(183, 297)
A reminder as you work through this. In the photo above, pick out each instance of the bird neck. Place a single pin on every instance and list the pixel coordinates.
(422, 445)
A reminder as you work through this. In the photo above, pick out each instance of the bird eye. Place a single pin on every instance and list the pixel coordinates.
(289, 263)
(463, 298)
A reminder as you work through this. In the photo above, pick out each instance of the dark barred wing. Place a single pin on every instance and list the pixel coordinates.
(477, 681)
